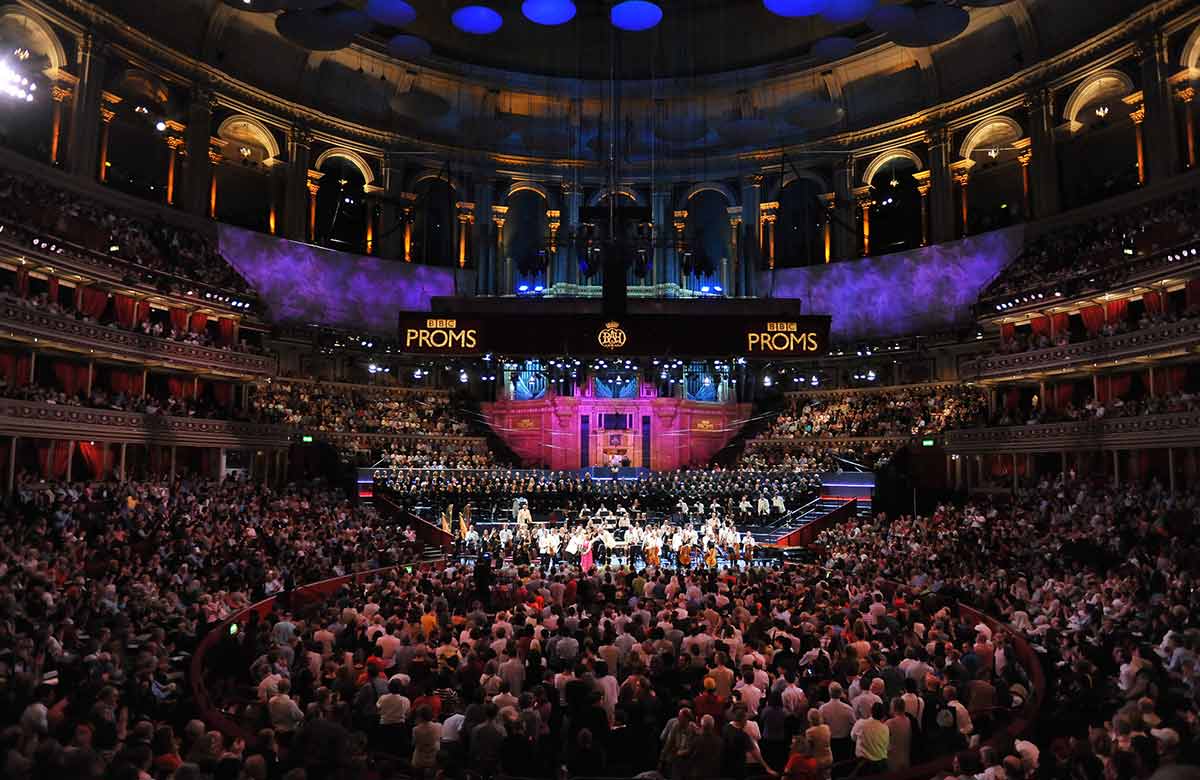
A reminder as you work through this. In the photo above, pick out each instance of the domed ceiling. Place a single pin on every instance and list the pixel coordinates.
(631, 39)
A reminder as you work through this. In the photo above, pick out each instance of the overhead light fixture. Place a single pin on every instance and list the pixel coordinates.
(160, 126)
(635, 15)
(993, 153)
(793, 8)
(477, 19)
(245, 151)
(1102, 111)
(548, 12)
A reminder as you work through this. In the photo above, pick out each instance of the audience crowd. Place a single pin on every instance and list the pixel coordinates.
(345, 409)
(1096, 255)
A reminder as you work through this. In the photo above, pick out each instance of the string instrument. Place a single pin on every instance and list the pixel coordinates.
(710, 558)
(652, 556)
(685, 555)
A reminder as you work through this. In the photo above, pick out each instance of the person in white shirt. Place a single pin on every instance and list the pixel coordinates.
(794, 700)
(749, 693)
(285, 714)
(764, 506)
(839, 717)
(393, 706)
(962, 718)
(388, 644)
(866, 701)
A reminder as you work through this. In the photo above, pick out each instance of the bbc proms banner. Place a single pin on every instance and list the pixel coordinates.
(926, 290)
(301, 283)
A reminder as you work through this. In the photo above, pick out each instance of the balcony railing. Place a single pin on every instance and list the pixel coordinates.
(58, 421)
(23, 322)
(1152, 431)
(1169, 336)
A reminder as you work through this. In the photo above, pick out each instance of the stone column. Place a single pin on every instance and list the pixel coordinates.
(59, 93)
(296, 196)
(91, 64)
(751, 231)
(107, 115)
(312, 186)
(732, 284)
(679, 223)
(200, 165)
(1161, 144)
(1185, 96)
(372, 194)
(465, 219)
(864, 202)
(923, 188)
(961, 170)
(1138, 116)
(666, 261)
(502, 282)
(828, 202)
(554, 267)
(845, 239)
(942, 201)
(769, 215)
(572, 198)
(1044, 168)
(483, 247)
(1024, 158)
(174, 142)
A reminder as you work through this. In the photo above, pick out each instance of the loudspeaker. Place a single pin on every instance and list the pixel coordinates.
(614, 281)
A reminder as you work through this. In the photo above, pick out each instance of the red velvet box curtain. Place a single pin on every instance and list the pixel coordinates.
(1007, 331)
(72, 377)
(93, 302)
(1093, 318)
(52, 289)
(1119, 385)
(124, 381)
(222, 393)
(99, 459)
(199, 322)
(53, 457)
(179, 320)
(22, 283)
(1153, 301)
(1040, 326)
(1064, 396)
(14, 367)
(1059, 323)
(130, 311)
(1192, 293)
(180, 386)
(226, 332)
(1117, 310)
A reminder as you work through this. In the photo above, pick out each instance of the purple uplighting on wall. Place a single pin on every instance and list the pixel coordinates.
(922, 291)
(303, 283)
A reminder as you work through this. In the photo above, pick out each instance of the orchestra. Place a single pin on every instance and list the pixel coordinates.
(696, 536)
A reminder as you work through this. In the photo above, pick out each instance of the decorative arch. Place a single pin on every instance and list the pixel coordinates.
(530, 186)
(793, 176)
(39, 30)
(705, 186)
(350, 155)
(432, 174)
(1108, 83)
(886, 157)
(245, 125)
(993, 130)
(628, 192)
(1190, 57)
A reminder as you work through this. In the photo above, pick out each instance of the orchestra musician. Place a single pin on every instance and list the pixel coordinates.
(710, 557)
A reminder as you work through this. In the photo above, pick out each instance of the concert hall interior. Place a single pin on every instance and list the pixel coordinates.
(599, 389)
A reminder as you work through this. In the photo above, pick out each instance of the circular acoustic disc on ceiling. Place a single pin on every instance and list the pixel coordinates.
(935, 24)
(393, 13)
(409, 47)
(323, 30)
(834, 47)
(795, 8)
(681, 131)
(304, 5)
(420, 104)
(257, 6)
(892, 18)
(848, 11)
(813, 114)
(746, 132)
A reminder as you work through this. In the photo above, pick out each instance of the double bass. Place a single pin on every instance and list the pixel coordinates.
(652, 555)
(710, 558)
(685, 556)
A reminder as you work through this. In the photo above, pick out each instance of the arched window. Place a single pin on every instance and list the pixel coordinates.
(799, 233)
(525, 238)
(896, 215)
(433, 230)
(341, 206)
(708, 240)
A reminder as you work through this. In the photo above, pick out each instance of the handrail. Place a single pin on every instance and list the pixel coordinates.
(354, 386)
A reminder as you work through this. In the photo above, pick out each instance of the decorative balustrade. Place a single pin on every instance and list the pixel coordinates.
(24, 322)
(1169, 336)
(1175, 429)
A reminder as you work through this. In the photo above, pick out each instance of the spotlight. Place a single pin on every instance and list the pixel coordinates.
(464, 378)
(160, 126)
(523, 288)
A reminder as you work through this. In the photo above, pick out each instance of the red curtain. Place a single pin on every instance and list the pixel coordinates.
(179, 320)
(126, 309)
(1117, 310)
(53, 457)
(1040, 326)
(52, 289)
(1012, 399)
(222, 393)
(127, 382)
(14, 367)
(1059, 323)
(22, 283)
(1118, 385)
(97, 457)
(93, 302)
(1093, 318)
(1007, 330)
(226, 332)
(180, 386)
(1153, 302)
(1063, 396)
(71, 377)
(1192, 293)
(199, 322)
(1173, 378)
(1103, 388)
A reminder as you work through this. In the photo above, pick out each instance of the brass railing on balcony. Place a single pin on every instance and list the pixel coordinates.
(1151, 431)
(18, 321)
(1165, 337)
